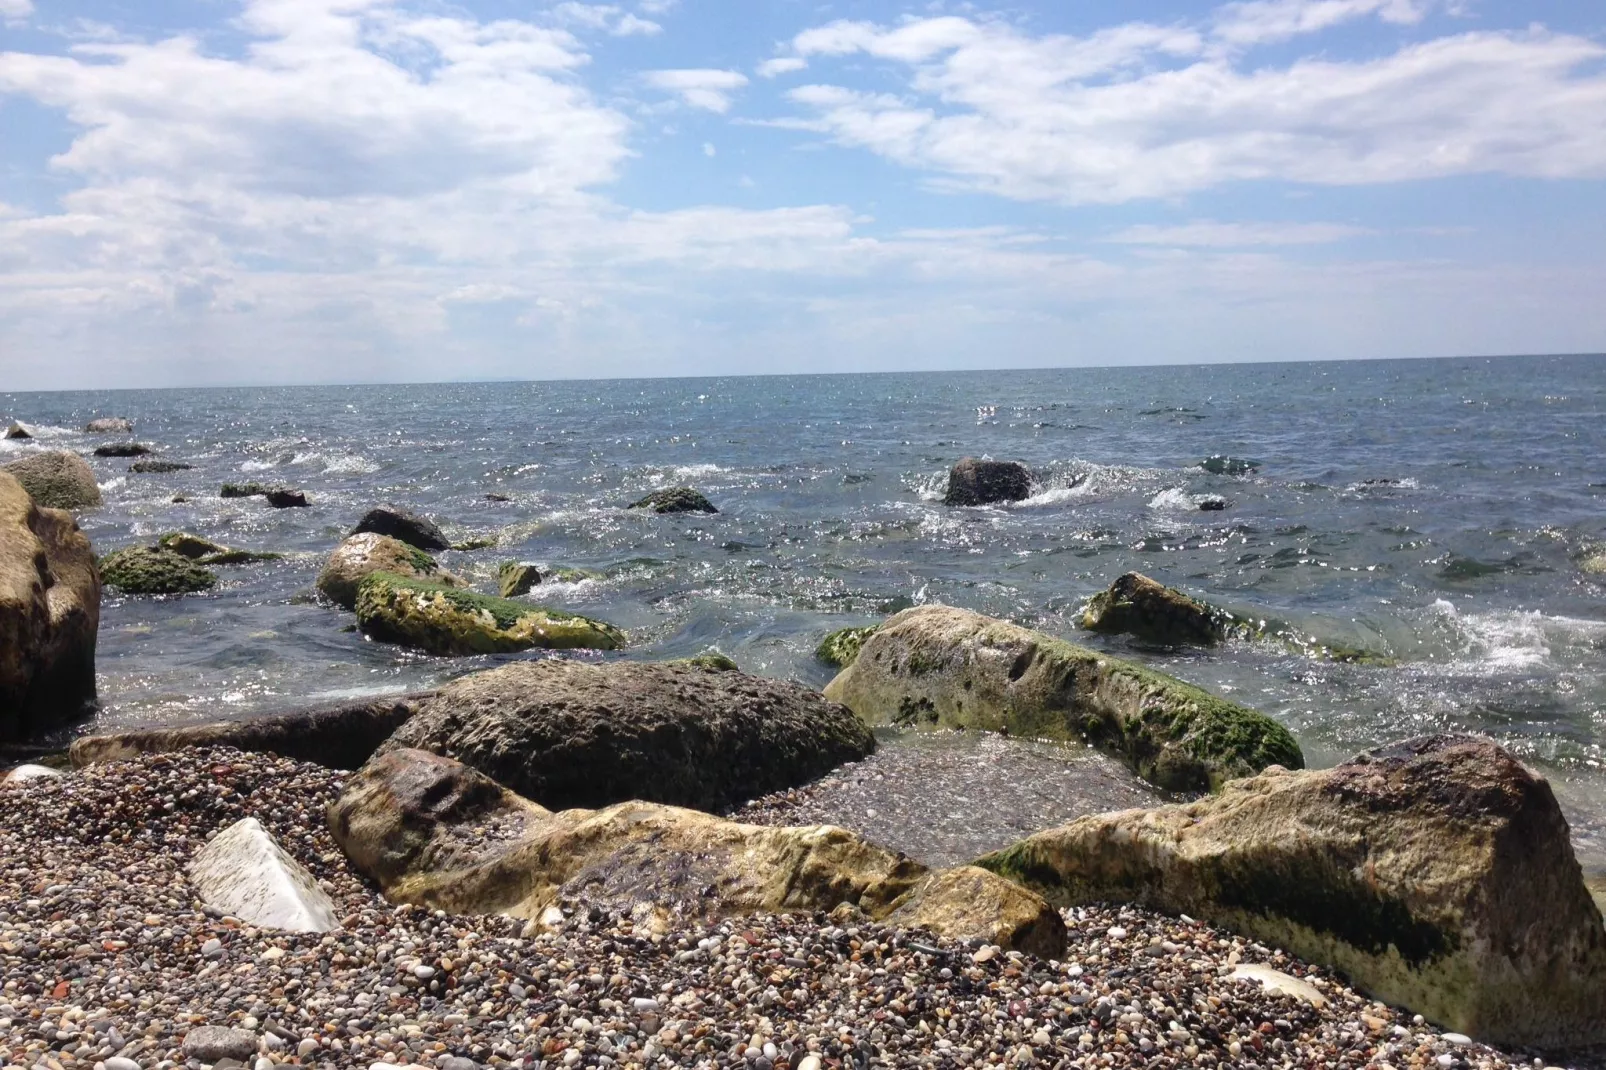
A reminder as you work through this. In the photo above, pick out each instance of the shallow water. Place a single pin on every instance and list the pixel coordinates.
(1462, 568)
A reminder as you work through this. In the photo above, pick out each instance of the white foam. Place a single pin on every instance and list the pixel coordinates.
(1176, 500)
(114, 483)
(256, 466)
(351, 464)
(1514, 640)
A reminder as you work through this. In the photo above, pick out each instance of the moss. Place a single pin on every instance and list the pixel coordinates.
(515, 578)
(419, 559)
(841, 648)
(153, 570)
(450, 621)
(709, 661)
(240, 557)
(483, 542)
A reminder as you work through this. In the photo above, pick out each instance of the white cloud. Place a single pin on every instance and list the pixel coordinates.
(771, 68)
(1205, 233)
(1256, 22)
(16, 9)
(630, 25)
(703, 88)
(709, 150)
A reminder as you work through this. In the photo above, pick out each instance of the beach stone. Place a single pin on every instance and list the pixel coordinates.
(118, 1062)
(154, 570)
(110, 425)
(49, 615)
(576, 733)
(398, 523)
(359, 556)
(1279, 983)
(675, 500)
(1436, 873)
(842, 646)
(952, 667)
(434, 833)
(341, 736)
(18, 432)
(431, 616)
(214, 1043)
(515, 579)
(158, 467)
(22, 774)
(57, 480)
(246, 875)
(1222, 465)
(976, 482)
(122, 449)
(1136, 605)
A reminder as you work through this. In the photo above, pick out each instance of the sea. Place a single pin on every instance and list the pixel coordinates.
(1433, 513)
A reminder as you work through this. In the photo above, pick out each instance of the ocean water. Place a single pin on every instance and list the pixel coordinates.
(1431, 511)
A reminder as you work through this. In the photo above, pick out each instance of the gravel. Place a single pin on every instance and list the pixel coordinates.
(107, 961)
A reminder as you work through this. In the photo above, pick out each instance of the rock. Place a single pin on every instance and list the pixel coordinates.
(122, 449)
(439, 619)
(1222, 465)
(342, 736)
(409, 527)
(287, 498)
(971, 900)
(22, 774)
(1210, 503)
(973, 482)
(243, 873)
(843, 645)
(242, 490)
(360, 556)
(110, 425)
(938, 665)
(191, 546)
(709, 661)
(57, 480)
(1279, 983)
(1137, 605)
(515, 579)
(17, 431)
(154, 468)
(49, 615)
(1436, 874)
(213, 1043)
(435, 833)
(1593, 563)
(675, 500)
(154, 570)
(495, 497)
(575, 733)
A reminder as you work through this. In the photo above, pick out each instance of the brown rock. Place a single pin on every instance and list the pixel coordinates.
(1137, 605)
(973, 482)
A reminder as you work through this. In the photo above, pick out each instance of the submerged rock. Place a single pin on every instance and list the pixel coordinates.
(974, 482)
(57, 480)
(49, 616)
(122, 449)
(675, 500)
(438, 619)
(435, 833)
(398, 523)
(277, 496)
(709, 661)
(515, 579)
(360, 556)
(1437, 874)
(1222, 465)
(110, 425)
(156, 468)
(245, 874)
(938, 665)
(243, 490)
(1136, 605)
(154, 570)
(18, 432)
(843, 645)
(574, 733)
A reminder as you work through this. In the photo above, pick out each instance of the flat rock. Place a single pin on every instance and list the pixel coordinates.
(977, 482)
(110, 425)
(1279, 983)
(122, 449)
(57, 480)
(411, 528)
(214, 1043)
(158, 467)
(247, 875)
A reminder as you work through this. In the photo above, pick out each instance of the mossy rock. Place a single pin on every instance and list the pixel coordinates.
(207, 552)
(675, 500)
(158, 467)
(709, 660)
(57, 480)
(449, 621)
(361, 555)
(1136, 605)
(842, 646)
(243, 490)
(154, 570)
(515, 578)
(573, 575)
(483, 542)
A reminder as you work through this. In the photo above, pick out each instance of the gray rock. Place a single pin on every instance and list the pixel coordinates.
(110, 425)
(244, 873)
(974, 482)
(212, 1043)
(398, 523)
(457, 1062)
(57, 480)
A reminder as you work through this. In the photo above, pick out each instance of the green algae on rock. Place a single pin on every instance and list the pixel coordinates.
(675, 500)
(708, 660)
(515, 578)
(953, 667)
(154, 570)
(1136, 605)
(843, 645)
(362, 555)
(449, 621)
(207, 552)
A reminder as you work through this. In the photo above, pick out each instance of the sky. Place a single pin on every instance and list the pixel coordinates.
(225, 192)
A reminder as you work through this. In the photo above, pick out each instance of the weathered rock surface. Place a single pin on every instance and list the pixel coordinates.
(515, 579)
(214, 1043)
(245, 874)
(1136, 605)
(110, 425)
(575, 733)
(398, 523)
(342, 736)
(122, 449)
(18, 432)
(1437, 873)
(974, 482)
(436, 833)
(362, 555)
(49, 615)
(939, 665)
(154, 570)
(842, 646)
(438, 619)
(157, 468)
(675, 500)
(57, 480)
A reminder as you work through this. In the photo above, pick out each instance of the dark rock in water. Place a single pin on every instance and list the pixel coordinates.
(359, 556)
(572, 733)
(287, 498)
(1222, 465)
(493, 497)
(516, 579)
(1212, 504)
(179, 499)
(341, 736)
(110, 425)
(243, 490)
(122, 449)
(57, 480)
(450, 622)
(973, 482)
(49, 616)
(18, 432)
(158, 467)
(1136, 605)
(409, 527)
(842, 646)
(1437, 874)
(675, 500)
(709, 661)
(154, 570)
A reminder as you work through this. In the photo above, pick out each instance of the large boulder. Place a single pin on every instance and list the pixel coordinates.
(359, 556)
(439, 619)
(974, 482)
(435, 833)
(675, 500)
(49, 616)
(409, 527)
(245, 874)
(110, 425)
(575, 733)
(341, 736)
(1437, 874)
(1136, 605)
(939, 665)
(154, 570)
(57, 480)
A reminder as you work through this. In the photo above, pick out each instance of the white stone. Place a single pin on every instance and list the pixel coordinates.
(118, 1062)
(810, 1062)
(243, 872)
(24, 773)
(1279, 983)
(1455, 1038)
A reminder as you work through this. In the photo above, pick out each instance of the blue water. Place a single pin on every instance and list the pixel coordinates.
(1464, 571)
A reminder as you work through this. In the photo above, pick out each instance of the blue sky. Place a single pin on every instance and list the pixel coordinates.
(267, 191)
